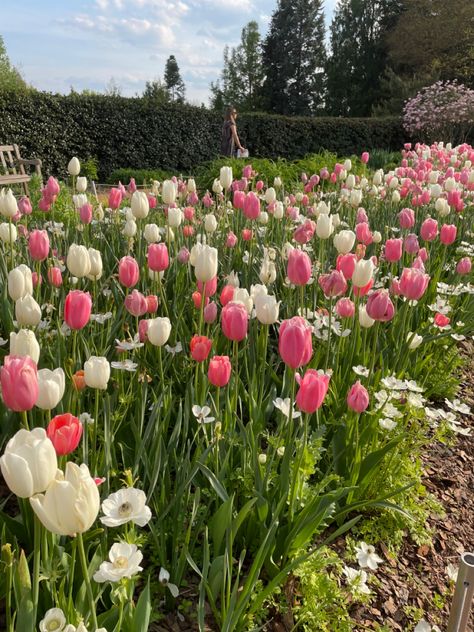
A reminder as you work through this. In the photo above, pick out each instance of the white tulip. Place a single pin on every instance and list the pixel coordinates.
(97, 372)
(204, 259)
(414, 340)
(241, 295)
(277, 182)
(365, 320)
(130, 228)
(29, 462)
(151, 232)
(71, 502)
(78, 261)
(217, 187)
(396, 197)
(8, 233)
(268, 272)
(267, 309)
(24, 343)
(51, 388)
(350, 181)
(355, 198)
(270, 195)
(279, 211)
(168, 192)
(323, 208)
(159, 330)
(155, 187)
(20, 282)
(140, 205)
(96, 268)
(376, 237)
(344, 241)
(363, 272)
(79, 200)
(8, 204)
(435, 191)
(324, 226)
(27, 311)
(175, 217)
(99, 213)
(81, 184)
(393, 182)
(210, 223)
(74, 167)
(433, 177)
(258, 290)
(226, 177)
(347, 164)
(191, 186)
(442, 207)
(449, 184)
(263, 218)
(54, 619)
(378, 177)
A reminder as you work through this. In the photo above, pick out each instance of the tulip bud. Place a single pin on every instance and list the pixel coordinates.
(24, 343)
(140, 205)
(226, 177)
(74, 167)
(51, 385)
(168, 192)
(81, 184)
(27, 311)
(78, 261)
(414, 340)
(20, 282)
(267, 309)
(96, 268)
(97, 372)
(219, 371)
(358, 398)
(151, 232)
(130, 228)
(344, 241)
(159, 330)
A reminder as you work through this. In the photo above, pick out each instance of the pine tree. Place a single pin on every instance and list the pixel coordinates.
(10, 78)
(359, 55)
(294, 56)
(173, 81)
(241, 80)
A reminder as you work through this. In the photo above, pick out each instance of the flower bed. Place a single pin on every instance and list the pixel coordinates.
(227, 384)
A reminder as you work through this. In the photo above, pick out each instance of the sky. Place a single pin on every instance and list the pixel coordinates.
(59, 44)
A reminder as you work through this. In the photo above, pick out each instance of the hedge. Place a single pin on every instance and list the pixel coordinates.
(137, 133)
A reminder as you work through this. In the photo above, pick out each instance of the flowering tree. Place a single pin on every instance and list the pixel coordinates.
(442, 111)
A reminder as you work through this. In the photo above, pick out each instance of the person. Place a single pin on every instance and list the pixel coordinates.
(230, 142)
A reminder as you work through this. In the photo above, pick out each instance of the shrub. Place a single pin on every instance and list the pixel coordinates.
(442, 111)
(137, 133)
(142, 176)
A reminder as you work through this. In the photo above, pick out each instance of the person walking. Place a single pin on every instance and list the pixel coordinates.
(230, 142)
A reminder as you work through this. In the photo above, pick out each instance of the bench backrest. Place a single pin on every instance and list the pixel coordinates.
(9, 157)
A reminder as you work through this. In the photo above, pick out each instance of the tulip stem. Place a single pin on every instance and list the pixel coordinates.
(329, 335)
(24, 416)
(36, 564)
(87, 580)
(72, 567)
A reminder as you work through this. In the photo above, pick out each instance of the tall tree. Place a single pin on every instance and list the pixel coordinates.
(294, 56)
(10, 78)
(359, 55)
(241, 79)
(173, 81)
(436, 38)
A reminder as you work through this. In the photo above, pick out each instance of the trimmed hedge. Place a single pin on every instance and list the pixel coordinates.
(136, 133)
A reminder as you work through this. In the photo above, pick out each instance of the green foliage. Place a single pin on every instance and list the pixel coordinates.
(89, 168)
(142, 176)
(10, 78)
(173, 81)
(138, 133)
(156, 92)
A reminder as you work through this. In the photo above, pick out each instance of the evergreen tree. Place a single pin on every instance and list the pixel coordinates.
(173, 81)
(359, 56)
(242, 75)
(10, 78)
(156, 91)
(294, 56)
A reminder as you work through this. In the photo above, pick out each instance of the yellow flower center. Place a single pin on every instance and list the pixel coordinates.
(121, 562)
(53, 625)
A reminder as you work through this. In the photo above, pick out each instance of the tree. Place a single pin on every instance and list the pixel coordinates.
(156, 91)
(359, 56)
(242, 75)
(294, 56)
(10, 78)
(173, 82)
(435, 38)
(113, 89)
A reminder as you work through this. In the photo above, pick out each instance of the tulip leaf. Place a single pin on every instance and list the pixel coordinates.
(215, 483)
(141, 617)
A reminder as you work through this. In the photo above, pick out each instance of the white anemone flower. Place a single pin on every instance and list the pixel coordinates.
(387, 424)
(356, 580)
(458, 406)
(124, 562)
(164, 578)
(126, 505)
(367, 557)
(283, 405)
(202, 414)
(54, 619)
(361, 370)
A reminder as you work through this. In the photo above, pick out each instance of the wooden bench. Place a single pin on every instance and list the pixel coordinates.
(12, 167)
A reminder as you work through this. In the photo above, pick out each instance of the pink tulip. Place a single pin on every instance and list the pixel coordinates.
(158, 258)
(151, 200)
(305, 232)
(423, 254)
(77, 309)
(324, 173)
(312, 391)
(151, 303)
(210, 287)
(35, 279)
(227, 294)
(143, 330)
(393, 250)
(85, 213)
(65, 432)
(136, 304)
(379, 306)
(364, 290)
(132, 186)
(406, 218)
(411, 244)
(129, 272)
(234, 320)
(251, 207)
(464, 266)
(295, 343)
(247, 234)
(24, 206)
(346, 264)
(440, 320)
(188, 230)
(45, 204)
(55, 277)
(299, 267)
(210, 313)
(239, 199)
(333, 284)
(200, 347)
(259, 185)
(413, 283)
(207, 200)
(231, 240)
(193, 198)
(358, 398)
(345, 308)
(197, 299)
(219, 371)
(361, 216)
(115, 198)
(365, 157)
(52, 188)
(448, 234)
(429, 229)
(189, 213)
(19, 381)
(247, 171)
(363, 233)
(38, 245)
(183, 255)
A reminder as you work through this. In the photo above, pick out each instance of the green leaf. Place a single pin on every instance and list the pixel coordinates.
(215, 483)
(141, 617)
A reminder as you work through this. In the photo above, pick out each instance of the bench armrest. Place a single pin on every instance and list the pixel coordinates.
(32, 161)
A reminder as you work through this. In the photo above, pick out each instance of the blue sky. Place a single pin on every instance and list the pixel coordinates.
(57, 44)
